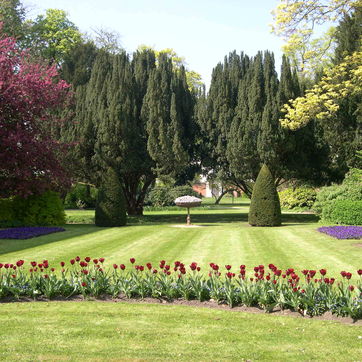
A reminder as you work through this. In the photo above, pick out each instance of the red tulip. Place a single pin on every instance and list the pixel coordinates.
(77, 258)
(52, 269)
(348, 275)
(115, 266)
(132, 260)
(122, 267)
(46, 276)
(101, 260)
(95, 261)
(33, 264)
(351, 288)
(84, 284)
(87, 259)
(149, 266)
(72, 261)
(242, 266)
(1, 265)
(359, 271)
(198, 268)
(154, 271)
(62, 263)
(323, 271)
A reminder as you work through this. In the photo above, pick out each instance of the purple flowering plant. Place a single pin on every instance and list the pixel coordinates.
(342, 232)
(28, 232)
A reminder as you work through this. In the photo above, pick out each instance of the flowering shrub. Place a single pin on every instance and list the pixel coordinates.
(342, 232)
(27, 232)
(309, 292)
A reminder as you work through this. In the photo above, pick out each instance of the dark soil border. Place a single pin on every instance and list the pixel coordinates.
(328, 316)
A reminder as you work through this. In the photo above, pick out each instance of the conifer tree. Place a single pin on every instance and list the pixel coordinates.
(110, 207)
(265, 205)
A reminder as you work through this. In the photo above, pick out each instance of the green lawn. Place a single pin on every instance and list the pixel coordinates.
(96, 330)
(224, 237)
(103, 331)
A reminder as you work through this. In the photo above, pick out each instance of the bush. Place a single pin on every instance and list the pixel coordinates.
(265, 204)
(36, 210)
(299, 197)
(7, 215)
(161, 196)
(81, 196)
(111, 205)
(345, 212)
(350, 189)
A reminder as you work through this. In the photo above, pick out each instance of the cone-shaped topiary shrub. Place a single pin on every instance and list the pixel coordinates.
(110, 206)
(265, 204)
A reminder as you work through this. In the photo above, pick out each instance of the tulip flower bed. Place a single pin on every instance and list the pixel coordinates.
(342, 232)
(309, 292)
(28, 232)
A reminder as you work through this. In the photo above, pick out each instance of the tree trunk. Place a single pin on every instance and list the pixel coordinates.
(135, 193)
(224, 192)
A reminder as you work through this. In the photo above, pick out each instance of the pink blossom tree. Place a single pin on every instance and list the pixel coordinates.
(31, 96)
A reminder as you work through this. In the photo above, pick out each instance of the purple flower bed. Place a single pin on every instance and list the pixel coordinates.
(28, 232)
(342, 232)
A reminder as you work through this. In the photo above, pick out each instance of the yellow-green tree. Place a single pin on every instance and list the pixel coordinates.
(322, 101)
(297, 21)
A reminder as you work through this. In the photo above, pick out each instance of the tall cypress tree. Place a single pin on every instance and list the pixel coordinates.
(168, 111)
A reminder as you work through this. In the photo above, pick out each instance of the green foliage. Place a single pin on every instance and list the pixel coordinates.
(81, 196)
(36, 210)
(345, 212)
(12, 15)
(350, 189)
(291, 198)
(52, 35)
(110, 207)
(7, 214)
(161, 196)
(265, 204)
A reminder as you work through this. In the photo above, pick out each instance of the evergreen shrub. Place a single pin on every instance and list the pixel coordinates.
(300, 197)
(265, 205)
(36, 210)
(345, 212)
(350, 189)
(111, 206)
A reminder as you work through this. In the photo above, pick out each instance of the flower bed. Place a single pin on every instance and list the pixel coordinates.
(28, 232)
(342, 232)
(309, 292)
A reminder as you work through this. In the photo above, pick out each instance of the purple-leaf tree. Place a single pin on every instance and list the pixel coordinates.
(31, 96)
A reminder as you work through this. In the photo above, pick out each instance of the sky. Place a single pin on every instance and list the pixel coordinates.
(202, 31)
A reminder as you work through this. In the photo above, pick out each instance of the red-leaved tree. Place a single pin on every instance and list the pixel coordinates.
(31, 96)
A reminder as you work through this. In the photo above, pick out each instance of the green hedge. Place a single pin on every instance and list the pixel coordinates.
(300, 197)
(36, 210)
(345, 212)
